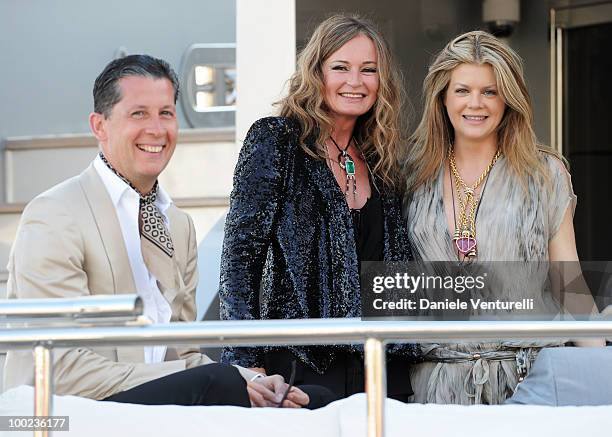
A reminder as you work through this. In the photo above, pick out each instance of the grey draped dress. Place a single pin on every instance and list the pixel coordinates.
(511, 225)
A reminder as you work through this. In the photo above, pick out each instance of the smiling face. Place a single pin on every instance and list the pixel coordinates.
(351, 79)
(473, 103)
(139, 136)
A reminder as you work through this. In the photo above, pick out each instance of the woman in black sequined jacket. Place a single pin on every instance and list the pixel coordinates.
(299, 222)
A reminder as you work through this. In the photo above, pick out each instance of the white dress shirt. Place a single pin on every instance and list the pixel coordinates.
(127, 205)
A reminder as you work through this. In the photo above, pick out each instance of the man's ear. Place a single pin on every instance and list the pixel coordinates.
(98, 126)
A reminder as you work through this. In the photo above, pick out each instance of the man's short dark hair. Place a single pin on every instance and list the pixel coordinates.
(106, 91)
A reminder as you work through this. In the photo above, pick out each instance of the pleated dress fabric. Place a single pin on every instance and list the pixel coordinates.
(513, 229)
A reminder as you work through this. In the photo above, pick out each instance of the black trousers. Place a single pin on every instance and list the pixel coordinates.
(345, 376)
(212, 384)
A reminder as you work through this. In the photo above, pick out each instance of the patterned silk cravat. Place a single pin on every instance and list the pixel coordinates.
(150, 222)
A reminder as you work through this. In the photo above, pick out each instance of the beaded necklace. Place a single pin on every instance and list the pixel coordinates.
(347, 163)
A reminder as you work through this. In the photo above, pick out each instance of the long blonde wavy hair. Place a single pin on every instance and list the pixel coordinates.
(430, 142)
(380, 132)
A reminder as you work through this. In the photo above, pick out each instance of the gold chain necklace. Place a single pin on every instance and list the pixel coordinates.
(465, 228)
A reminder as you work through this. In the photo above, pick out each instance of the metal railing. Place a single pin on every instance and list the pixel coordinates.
(374, 335)
(110, 308)
(123, 310)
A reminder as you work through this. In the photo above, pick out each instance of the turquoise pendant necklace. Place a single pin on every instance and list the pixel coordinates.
(346, 163)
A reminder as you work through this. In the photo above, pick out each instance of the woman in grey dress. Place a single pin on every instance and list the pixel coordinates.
(480, 187)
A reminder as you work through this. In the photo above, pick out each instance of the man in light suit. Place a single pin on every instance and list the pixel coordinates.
(114, 230)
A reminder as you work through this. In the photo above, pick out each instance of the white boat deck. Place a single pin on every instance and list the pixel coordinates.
(346, 418)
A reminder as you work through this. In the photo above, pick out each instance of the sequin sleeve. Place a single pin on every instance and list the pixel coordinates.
(258, 185)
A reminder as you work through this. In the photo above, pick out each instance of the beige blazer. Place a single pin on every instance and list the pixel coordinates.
(69, 244)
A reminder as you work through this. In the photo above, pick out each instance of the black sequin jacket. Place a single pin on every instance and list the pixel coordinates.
(289, 235)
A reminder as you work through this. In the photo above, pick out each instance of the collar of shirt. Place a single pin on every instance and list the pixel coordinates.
(117, 188)
(126, 202)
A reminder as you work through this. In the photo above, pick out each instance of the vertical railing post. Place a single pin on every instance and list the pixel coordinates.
(559, 83)
(553, 79)
(376, 385)
(43, 383)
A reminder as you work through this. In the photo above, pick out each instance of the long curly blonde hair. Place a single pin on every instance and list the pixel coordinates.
(434, 135)
(380, 132)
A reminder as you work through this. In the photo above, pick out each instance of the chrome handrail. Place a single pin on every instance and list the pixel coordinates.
(374, 334)
(300, 332)
(90, 307)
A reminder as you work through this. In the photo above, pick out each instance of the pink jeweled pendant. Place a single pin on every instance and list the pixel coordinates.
(466, 243)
